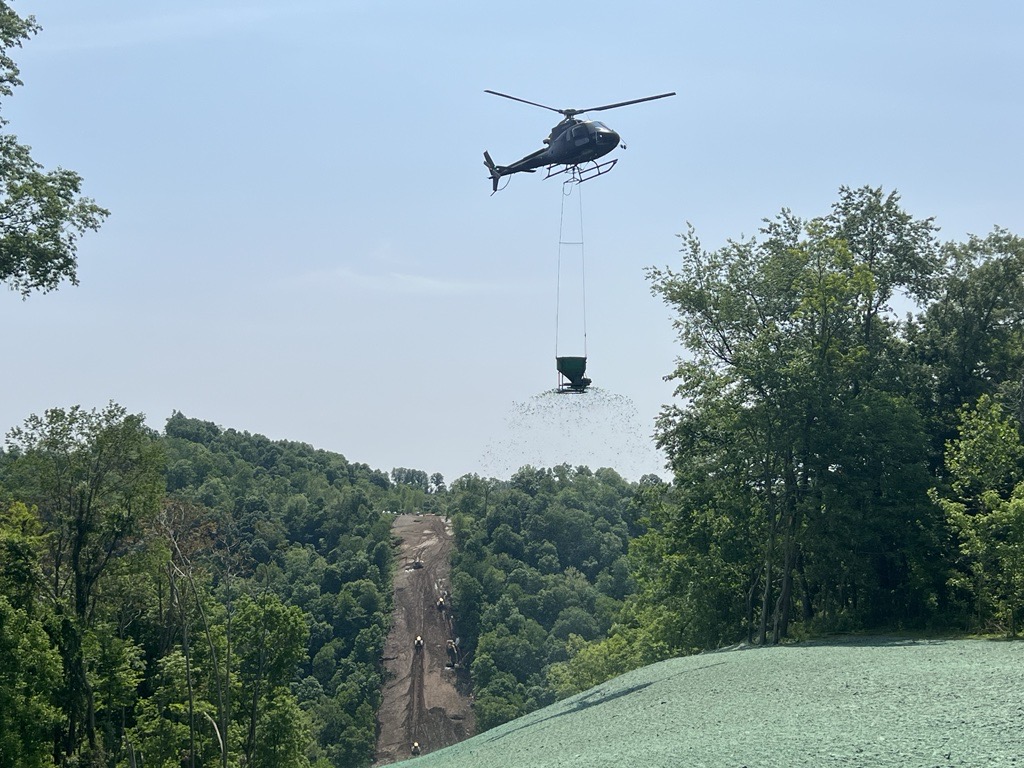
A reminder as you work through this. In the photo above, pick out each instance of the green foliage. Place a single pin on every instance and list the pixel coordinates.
(540, 559)
(239, 618)
(94, 477)
(503, 699)
(284, 732)
(300, 533)
(13, 31)
(626, 647)
(270, 640)
(986, 510)
(805, 440)
(29, 677)
(161, 733)
(968, 341)
(987, 456)
(42, 214)
(21, 543)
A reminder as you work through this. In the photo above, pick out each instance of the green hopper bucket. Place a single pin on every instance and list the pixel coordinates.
(571, 370)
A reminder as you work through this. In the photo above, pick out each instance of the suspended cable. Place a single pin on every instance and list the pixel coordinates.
(558, 273)
(567, 189)
(571, 367)
(583, 270)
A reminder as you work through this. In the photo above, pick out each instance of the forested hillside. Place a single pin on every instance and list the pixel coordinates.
(541, 565)
(838, 465)
(202, 597)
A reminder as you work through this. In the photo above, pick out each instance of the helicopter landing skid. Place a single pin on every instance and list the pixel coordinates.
(580, 173)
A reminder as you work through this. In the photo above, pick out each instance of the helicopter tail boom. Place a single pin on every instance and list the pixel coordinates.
(528, 164)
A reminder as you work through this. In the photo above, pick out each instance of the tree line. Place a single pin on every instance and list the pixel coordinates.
(846, 452)
(199, 597)
(540, 565)
(820, 441)
(837, 465)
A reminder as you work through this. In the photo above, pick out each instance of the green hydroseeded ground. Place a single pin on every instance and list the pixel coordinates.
(871, 702)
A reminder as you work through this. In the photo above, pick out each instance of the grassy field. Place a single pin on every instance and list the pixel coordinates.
(871, 702)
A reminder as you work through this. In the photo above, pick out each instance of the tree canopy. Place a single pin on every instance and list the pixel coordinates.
(540, 568)
(198, 597)
(42, 213)
(810, 423)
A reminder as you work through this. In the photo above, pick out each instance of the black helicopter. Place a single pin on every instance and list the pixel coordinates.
(572, 143)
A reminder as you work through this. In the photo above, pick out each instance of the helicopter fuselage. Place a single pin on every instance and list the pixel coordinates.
(579, 141)
(570, 143)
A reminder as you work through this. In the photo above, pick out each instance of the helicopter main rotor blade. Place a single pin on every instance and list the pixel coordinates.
(624, 103)
(531, 103)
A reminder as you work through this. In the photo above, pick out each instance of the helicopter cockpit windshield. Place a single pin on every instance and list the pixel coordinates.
(580, 135)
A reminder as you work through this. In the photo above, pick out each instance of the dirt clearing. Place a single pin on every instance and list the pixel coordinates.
(422, 702)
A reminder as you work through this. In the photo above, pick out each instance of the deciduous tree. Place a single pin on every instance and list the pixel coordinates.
(42, 213)
(799, 461)
(93, 476)
(986, 509)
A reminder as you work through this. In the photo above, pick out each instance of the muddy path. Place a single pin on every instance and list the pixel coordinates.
(423, 698)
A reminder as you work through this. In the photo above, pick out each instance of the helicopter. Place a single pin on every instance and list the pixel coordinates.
(572, 143)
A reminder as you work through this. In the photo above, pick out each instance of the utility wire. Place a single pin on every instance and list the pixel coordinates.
(567, 189)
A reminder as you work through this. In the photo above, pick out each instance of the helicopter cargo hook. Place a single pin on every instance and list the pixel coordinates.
(572, 143)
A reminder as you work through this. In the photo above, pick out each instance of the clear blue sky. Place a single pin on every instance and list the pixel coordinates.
(303, 242)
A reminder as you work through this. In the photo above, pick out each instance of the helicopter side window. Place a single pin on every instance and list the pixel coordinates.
(580, 135)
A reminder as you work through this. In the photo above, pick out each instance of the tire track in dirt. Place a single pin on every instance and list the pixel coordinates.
(424, 697)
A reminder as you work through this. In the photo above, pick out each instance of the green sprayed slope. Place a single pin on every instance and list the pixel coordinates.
(868, 702)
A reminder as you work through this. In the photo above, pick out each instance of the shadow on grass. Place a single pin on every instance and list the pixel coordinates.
(869, 641)
(597, 697)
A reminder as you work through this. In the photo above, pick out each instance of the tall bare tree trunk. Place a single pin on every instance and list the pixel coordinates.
(762, 631)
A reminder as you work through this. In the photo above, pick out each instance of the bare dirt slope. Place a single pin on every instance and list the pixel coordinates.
(421, 699)
(862, 703)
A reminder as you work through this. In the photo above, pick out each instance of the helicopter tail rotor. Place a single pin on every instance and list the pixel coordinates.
(495, 171)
